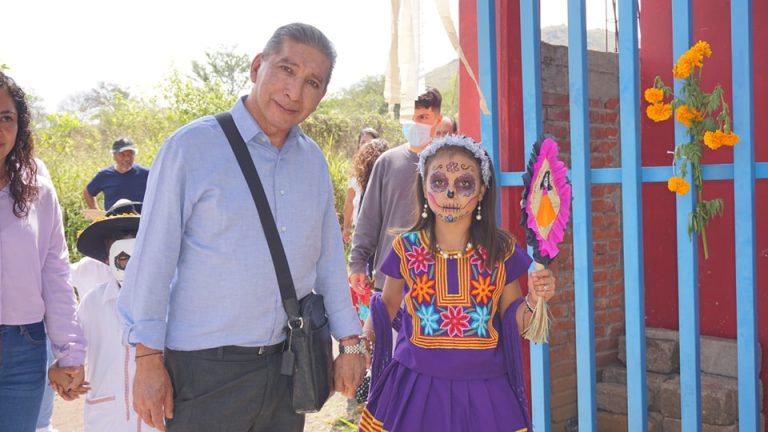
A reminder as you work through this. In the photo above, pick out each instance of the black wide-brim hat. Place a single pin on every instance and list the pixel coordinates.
(122, 216)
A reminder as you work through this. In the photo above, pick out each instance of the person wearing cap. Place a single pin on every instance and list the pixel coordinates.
(111, 369)
(124, 179)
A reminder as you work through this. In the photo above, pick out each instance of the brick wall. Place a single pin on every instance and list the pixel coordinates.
(606, 226)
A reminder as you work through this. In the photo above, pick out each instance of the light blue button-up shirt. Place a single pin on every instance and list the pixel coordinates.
(201, 275)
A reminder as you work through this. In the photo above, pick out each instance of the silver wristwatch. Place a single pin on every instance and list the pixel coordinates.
(360, 348)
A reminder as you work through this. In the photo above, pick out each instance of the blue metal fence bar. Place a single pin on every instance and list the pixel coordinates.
(530, 44)
(744, 215)
(488, 71)
(687, 253)
(586, 376)
(652, 174)
(632, 215)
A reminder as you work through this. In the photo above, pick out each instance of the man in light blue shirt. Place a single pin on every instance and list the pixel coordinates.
(201, 284)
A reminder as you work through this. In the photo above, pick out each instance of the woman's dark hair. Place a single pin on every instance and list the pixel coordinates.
(20, 166)
(362, 163)
(367, 131)
(497, 243)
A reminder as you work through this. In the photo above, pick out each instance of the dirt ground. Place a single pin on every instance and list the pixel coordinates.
(68, 416)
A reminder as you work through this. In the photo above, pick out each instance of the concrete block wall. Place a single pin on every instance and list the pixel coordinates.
(719, 385)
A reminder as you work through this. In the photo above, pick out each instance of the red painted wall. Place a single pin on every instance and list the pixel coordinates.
(711, 22)
(717, 274)
(469, 101)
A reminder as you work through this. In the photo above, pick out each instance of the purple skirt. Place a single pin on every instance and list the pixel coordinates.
(405, 400)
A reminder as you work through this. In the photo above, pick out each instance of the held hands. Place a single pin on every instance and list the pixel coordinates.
(360, 282)
(68, 382)
(541, 283)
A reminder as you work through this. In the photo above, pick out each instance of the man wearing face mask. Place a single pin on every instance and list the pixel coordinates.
(110, 367)
(389, 200)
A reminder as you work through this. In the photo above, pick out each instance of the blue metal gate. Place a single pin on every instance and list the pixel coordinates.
(631, 175)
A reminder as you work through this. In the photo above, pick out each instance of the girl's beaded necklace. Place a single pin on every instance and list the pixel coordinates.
(453, 254)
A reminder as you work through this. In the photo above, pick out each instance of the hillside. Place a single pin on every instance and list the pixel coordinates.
(596, 38)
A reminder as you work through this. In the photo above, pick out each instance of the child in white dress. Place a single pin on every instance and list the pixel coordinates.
(110, 366)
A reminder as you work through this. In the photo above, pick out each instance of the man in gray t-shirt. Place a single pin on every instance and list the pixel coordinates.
(390, 200)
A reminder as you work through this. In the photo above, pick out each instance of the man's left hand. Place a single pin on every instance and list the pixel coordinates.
(349, 370)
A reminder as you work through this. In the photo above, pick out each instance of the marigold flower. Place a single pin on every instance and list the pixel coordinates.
(702, 49)
(690, 59)
(654, 95)
(712, 140)
(729, 139)
(678, 185)
(683, 67)
(718, 138)
(684, 114)
(659, 111)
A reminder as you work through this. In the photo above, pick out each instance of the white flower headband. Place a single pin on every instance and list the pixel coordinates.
(457, 141)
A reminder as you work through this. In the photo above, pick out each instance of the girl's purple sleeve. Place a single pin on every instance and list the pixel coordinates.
(391, 264)
(518, 263)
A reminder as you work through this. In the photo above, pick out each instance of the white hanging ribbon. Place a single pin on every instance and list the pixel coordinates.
(445, 16)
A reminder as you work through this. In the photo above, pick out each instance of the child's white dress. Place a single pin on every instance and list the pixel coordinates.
(110, 365)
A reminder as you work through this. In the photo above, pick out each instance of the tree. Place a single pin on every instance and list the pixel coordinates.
(225, 67)
(341, 116)
(89, 103)
(188, 100)
(365, 96)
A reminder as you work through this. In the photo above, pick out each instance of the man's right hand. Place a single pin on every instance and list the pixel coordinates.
(359, 282)
(152, 390)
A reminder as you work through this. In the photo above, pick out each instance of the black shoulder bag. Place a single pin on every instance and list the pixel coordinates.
(308, 357)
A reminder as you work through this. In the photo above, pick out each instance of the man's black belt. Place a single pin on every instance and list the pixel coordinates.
(259, 350)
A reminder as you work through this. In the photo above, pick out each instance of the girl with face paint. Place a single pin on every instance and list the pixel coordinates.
(457, 359)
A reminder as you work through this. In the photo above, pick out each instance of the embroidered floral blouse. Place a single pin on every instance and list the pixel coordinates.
(451, 307)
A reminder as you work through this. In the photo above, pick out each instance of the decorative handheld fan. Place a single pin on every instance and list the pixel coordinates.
(546, 210)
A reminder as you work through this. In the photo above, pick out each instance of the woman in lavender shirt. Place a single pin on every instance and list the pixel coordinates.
(34, 266)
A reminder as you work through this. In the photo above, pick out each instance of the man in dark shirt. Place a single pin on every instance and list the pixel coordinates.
(122, 180)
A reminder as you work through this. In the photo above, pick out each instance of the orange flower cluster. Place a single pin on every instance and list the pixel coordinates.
(692, 58)
(707, 118)
(654, 95)
(678, 185)
(685, 114)
(659, 112)
(718, 138)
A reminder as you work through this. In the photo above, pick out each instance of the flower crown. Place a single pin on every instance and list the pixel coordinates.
(464, 142)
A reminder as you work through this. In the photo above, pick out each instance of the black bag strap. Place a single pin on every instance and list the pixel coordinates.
(284, 279)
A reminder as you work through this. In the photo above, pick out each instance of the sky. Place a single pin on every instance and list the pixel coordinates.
(73, 45)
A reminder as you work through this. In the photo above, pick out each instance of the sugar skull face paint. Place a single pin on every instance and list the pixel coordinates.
(453, 187)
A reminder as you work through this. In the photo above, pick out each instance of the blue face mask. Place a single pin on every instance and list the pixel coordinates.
(417, 134)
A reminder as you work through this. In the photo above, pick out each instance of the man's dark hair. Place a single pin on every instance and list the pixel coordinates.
(303, 34)
(431, 98)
